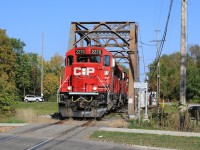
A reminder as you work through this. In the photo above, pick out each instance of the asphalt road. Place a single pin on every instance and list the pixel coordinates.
(42, 140)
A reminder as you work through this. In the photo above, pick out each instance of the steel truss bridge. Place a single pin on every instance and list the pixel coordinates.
(120, 38)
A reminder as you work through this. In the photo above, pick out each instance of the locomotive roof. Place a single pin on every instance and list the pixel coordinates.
(88, 48)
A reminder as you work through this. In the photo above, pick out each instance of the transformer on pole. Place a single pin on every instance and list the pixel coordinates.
(120, 38)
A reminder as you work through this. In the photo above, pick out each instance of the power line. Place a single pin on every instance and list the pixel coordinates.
(163, 38)
(145, 43)
(142, 51)
(166, 27)
(173, 22)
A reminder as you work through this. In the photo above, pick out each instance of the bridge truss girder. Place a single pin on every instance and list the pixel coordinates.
(120, 38)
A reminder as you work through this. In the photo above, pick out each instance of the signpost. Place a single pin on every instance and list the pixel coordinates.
(140, 85)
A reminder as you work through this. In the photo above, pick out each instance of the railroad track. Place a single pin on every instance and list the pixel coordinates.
(70, 132)
(64, 133)
(28, 131)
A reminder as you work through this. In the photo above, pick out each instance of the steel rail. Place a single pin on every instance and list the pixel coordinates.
(27, 131)
(37, 128)
(7, 138)
(39, 145)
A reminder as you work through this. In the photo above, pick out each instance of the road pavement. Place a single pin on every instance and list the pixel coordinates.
(76, 140)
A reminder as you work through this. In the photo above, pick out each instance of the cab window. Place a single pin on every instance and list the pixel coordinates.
(70, 60)
(95, 59)
(106, 60)
(82, 59)
(88, 58)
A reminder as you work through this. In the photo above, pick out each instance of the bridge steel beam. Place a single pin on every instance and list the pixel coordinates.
(120, 38)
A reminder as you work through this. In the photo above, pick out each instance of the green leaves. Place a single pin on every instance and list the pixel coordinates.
(53, 71)
(7, 67)
(20, 73)
(170, 75)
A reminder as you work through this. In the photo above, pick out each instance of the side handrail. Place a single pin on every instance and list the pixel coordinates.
(103, 84)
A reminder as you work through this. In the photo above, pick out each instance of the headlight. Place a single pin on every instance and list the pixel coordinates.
(94, 88)
(69, 88)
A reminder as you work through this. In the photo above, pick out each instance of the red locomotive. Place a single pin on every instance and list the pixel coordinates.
(92, 84)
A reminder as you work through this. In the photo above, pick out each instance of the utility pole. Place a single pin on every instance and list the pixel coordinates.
(183, 64)
(183, 57)
(42, 65)
(158, 65)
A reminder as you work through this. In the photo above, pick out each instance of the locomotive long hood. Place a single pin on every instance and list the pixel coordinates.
(85, 77)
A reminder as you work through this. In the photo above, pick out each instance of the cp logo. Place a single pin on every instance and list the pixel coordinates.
(83, 71)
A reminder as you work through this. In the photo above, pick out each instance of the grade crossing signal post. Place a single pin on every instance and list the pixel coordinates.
(142, 86)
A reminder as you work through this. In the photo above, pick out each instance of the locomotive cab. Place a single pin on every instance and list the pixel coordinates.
(87, 84)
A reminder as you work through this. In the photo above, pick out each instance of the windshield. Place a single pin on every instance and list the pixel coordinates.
(93, 59)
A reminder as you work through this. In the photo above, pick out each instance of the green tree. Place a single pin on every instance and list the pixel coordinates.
(27, 74)
(23, 75)
(17, 46)
(55, 65)
(194, 53)
(35, 74)
(7, 72)
(53, 70)
(51, 84)
(193, 71)
(170, 75)
(124, 68)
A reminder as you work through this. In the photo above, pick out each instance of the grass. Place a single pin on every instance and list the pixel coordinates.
(11, 119)
(165, 141)
(30, 112)
(169, 120)
(41, 108)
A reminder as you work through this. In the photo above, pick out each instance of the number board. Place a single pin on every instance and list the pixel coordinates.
(80, 51)
(96, 51)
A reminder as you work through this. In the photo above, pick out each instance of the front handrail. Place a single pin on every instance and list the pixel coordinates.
(58, 100)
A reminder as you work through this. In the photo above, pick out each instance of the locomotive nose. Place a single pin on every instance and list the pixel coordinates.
(84, 78)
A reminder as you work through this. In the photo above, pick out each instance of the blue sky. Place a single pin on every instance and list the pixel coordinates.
(27, 19)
